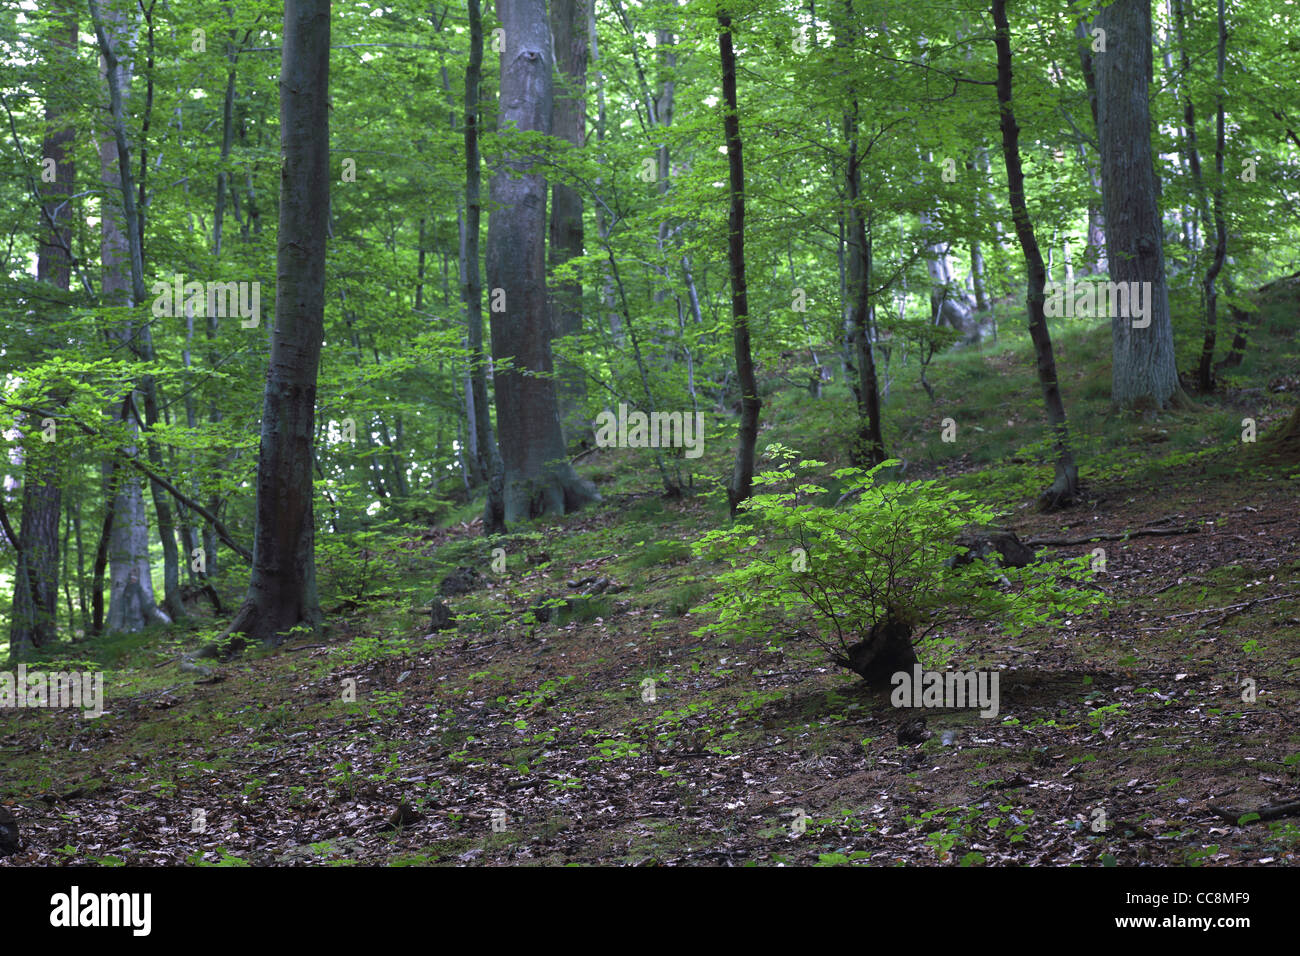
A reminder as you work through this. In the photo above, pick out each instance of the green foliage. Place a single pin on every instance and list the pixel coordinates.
(656, 553)
(831, 574)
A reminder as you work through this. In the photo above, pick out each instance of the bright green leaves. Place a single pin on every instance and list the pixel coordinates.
(831, 573)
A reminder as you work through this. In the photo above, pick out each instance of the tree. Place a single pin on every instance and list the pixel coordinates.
(472, 287)
(36, 577)
(1065, 488)
(538, 478)
(282, 585)
(869, 442)
(742, 474)
(569, 123)
(1205, 369)
(131, 597)
(1143, 373)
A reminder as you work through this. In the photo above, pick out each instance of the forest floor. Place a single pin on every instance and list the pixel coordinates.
(1133, 735)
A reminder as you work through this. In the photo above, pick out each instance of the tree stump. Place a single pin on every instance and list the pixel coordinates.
(886, 650)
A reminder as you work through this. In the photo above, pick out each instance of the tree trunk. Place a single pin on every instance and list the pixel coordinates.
(1143, 373)
(978, 285)
(569, 123)
(118, 78)
(1205, 371)
(538, 477)
(282, 585)
(949, 304)
(869, 443)
(36, 577)
(101, 560)
(131, 604)
(1065, 488)
(472, 289)
(742, 474)
(1094, 256)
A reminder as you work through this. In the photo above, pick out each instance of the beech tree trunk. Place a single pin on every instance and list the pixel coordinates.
(282, 585)
(36, 576)
(1065, 488)
(114, 35)
(1143, 373)
(131, 604)
(569, 123)
(538, 478)
(742, 474)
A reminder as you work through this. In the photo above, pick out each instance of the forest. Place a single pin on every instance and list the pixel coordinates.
(633, 433)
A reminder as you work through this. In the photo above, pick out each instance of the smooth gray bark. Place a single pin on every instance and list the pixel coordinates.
(569, 20)
(1143, 373)
(282, 585)
(538, 478)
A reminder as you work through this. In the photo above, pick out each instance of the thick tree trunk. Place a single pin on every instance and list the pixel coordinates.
(36, 577)
(538, 477)
(282, 585)
(569, 123)
(742, 474)
(1065, 488)
(1143, 372)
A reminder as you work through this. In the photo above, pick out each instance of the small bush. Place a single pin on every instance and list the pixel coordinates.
(836, 575)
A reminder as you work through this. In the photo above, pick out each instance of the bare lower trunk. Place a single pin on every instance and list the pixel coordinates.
(569, 32)
(131, 604)
(742, 474)
(1205, 370)
(472, 291)
(538, 477)
(282, 585)
(1143, 371)
(1065, 488)
(36, 576)
(869, 443)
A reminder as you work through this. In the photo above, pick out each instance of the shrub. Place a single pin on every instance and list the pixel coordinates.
(865, 581)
